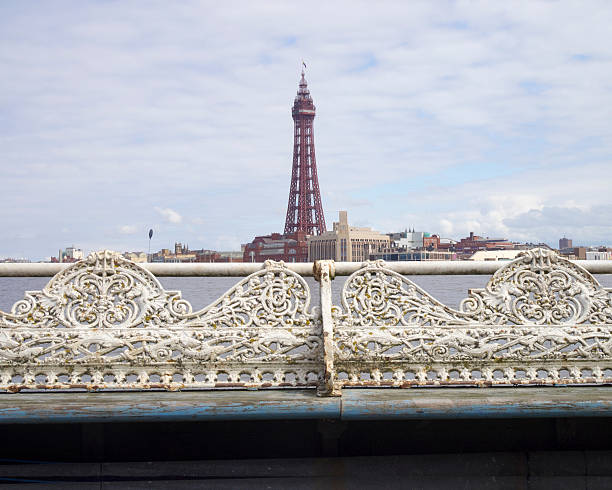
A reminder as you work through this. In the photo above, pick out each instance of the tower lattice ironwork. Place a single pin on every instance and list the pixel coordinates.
(304, 211)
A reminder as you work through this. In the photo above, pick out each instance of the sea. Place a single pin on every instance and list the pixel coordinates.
(202, 291)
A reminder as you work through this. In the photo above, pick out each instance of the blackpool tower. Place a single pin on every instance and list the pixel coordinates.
(304, 211)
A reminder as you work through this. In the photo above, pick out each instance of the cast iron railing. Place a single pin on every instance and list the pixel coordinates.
(107, 323)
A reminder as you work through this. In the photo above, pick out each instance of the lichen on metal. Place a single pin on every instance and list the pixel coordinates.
(540, 320)
(106, 322)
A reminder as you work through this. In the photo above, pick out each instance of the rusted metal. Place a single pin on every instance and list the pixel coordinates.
(324, 273)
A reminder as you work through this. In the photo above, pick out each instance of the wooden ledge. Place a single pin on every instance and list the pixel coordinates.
(354, 404)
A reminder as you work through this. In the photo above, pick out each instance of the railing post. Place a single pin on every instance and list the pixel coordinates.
(324, 272)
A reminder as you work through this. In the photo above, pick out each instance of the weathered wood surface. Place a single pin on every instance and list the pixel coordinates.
(355, 404)
(477, 403)
(163, 406)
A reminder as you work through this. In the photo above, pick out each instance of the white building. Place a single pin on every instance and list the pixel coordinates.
(598, 255)
(71, 254)
(495, 255)
(411, 240)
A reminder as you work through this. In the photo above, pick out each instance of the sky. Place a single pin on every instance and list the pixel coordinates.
(447, 117)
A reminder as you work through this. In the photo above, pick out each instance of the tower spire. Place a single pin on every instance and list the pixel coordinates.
(304, 211)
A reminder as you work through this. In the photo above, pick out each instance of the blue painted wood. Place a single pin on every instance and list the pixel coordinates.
(164, 406)
(355, 404)
(448, 403)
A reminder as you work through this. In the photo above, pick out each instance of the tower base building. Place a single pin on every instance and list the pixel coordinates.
(288, 248)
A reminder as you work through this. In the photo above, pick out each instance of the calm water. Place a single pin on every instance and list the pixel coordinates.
(201, 291)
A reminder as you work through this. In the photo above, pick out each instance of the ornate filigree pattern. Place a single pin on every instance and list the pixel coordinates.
(540, 287)
(108, 315)
(474, 343)
(378, 296)
(538, 314)
(105, 322)
(103, 291)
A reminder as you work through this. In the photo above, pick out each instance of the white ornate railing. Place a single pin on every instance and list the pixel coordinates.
(107, 323)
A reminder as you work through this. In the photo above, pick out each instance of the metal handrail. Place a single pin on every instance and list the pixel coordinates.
(106, 323)
(304, 269)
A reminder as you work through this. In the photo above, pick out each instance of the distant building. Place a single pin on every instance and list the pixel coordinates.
(346, 243)
(565, 243)
(401, 255)
(580, 253)
(446, 243)
(214, 256)
(136, 256)
(495, 255)
(71, 254)
(288, 248)
(598, 255)
(409, 239)
(431, 242)
(468, 245)
(181, 254)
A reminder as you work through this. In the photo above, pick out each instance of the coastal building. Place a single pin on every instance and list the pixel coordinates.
(414, 240)
(402, 255)
(288, 248)
(565, 243)
(212, 256)
(346, 243)
(445, 243)
(469, 245)
(409, 239)
(70, 254)
(495, 255)
(181, 254)
(598, 255)
(431, 242)
(136, 256)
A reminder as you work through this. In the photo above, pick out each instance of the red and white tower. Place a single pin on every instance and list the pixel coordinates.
(304, 211)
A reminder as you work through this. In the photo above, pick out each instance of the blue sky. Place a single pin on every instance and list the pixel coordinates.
(450, 117)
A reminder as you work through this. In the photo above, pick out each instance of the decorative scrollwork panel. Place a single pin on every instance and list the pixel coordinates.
(543, 288)
(105, 322)
(473, 343)
(538, 314)
(106, 316)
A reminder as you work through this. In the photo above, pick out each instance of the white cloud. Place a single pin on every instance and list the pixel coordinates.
(440, 118)
(128, 229)
(170, 215)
